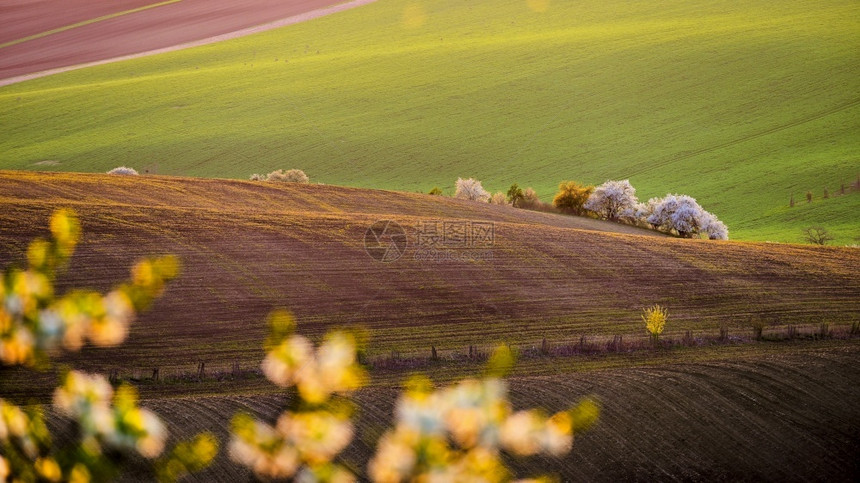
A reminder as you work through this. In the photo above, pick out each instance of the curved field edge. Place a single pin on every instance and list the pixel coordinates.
(738, 105)
(82, 28)
(221, 196)
(787, 416)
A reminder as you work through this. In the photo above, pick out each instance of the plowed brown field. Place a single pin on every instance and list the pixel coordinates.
(766, 417)
(752, 411)
(249, 247)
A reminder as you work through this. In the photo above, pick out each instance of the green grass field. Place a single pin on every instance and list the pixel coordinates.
(739, 104)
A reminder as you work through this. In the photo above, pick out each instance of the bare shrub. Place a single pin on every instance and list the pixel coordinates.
(616, 344)
(817, 235)
(124, 170)
(530, 199)
(499, 199)
(688, 339)
(758, 323)
(289, 176)
(258, 177)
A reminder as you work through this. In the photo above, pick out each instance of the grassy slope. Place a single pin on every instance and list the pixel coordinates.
(737, 104)
(248, 247)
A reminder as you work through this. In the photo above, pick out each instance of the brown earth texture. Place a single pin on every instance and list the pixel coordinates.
(248, 247)
(702, 407)
(743, 409)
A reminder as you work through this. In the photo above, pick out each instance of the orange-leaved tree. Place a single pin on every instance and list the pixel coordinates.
(571, 197)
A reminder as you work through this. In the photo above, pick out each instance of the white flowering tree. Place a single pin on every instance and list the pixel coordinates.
(288, 176)
(643, 210)
(614, 200)
(714, 228)
(125, 170)
(471, 189)
(683, 214)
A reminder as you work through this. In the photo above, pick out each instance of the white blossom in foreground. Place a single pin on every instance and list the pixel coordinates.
(306, 438)
(317, 435)
(259, 447)
(458, 433)
(109, 419)
(15, 425)
(332, 369)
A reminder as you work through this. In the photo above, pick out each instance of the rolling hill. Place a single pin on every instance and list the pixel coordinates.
(732, 410)
(740, 105)
(248, 247)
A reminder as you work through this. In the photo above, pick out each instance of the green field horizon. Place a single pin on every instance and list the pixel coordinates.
(738, 105)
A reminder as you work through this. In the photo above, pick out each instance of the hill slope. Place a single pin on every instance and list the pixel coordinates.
(731, 411)
(776, 416)
(249, 247)
(737, 104)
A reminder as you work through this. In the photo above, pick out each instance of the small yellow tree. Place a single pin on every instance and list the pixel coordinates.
(655, 320)
(571, 197)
